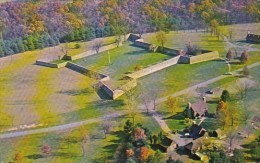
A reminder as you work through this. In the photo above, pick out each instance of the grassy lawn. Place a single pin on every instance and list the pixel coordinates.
(66, 145)
(123, 59)
(85, 46)
(181, 76)
(9, 70)
(210, 124)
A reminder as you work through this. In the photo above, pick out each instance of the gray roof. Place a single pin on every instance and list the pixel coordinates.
(199, 107)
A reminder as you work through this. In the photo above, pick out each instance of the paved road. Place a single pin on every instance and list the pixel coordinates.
(113, 115)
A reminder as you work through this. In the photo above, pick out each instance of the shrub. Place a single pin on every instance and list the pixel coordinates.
(225, 96)
(77, 46)
(138, 68)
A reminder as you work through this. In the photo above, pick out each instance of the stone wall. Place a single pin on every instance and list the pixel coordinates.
(107, 89)
(132, 83)
(133, 37)
(85, 71)
(91, 52)
(199, 58)
(49, 64)
(154, 68)
(140, 43)
(168, 51)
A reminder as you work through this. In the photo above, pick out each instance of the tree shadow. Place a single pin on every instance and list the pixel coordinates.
(35, 156)
(177, 116)
(139, 52)
(212, 102)
(107, 104)
(76, 92)
(235, 63)
(242, 41)
(65, 154)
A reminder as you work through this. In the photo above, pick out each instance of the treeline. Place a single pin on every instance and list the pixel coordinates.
(57, 21)
(28, 43)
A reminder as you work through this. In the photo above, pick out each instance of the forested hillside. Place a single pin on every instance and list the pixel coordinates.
(35, 24)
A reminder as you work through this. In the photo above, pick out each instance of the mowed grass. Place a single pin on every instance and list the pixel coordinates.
(86, 46)
(122, 60)
(9, 68)
(67, 147)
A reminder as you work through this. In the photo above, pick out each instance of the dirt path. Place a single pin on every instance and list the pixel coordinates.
(231, 45)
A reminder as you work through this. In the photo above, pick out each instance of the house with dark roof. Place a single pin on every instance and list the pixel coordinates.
(196, 131)
(253, 38)
(197, 109)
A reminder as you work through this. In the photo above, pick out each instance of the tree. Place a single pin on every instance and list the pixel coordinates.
(20, 46)
(139, 134)
(106, 126)
(131, 97)
(84, 144)
(244, 57)
(172, 103)
(222, 106)
(246, 71)
(170, 160)
(230, 32)
(225, 96)
(242, 87)
(1, 51)
(230, 54)
(118, 40)
(30, 44)
(238, 156)
(128, 128)
(2, 28)
(144, 154)
(18, 157)
(155, 138)
(158, 157)
(161, 38)
(231, 140)
(39, 43)
(97, 45)
(130, 153)
(46, 150)
(214, 24)
(217, 157)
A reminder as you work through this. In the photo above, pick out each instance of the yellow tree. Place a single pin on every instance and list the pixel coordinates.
(172, 103)
(161, 38)
(214, 24)
(18, 157)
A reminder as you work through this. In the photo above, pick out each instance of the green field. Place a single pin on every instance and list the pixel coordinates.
(123, 60)
(63, 96)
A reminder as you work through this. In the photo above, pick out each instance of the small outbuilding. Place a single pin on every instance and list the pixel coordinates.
(219, 134)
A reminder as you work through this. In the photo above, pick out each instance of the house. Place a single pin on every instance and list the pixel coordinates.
(253, 38)
(197, 109)
(194, 146)
(197, 131)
